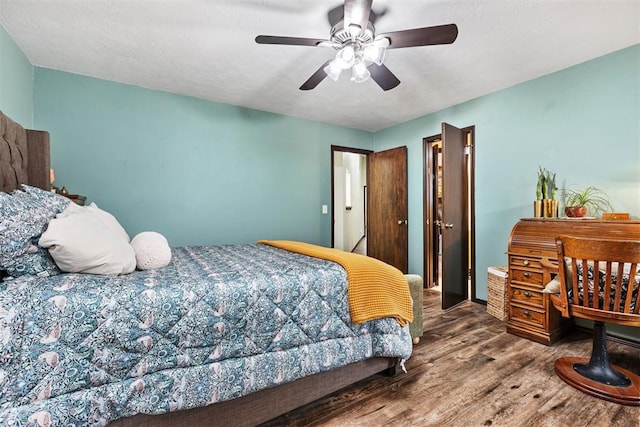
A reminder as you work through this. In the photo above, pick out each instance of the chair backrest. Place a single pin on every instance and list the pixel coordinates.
(616, 216)
(600, 279)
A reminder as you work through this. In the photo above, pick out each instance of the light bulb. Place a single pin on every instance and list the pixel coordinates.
(346, 57)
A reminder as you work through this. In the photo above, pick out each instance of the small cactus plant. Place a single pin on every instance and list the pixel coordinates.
(552, 186)
(541, 184)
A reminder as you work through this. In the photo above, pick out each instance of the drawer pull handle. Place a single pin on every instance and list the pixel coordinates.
(527, 313)
(527, 274)
(525, 262)
(527, 294)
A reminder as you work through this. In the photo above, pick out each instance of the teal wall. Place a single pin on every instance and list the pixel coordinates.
(582, 123)
(16, 82)
(196, 171)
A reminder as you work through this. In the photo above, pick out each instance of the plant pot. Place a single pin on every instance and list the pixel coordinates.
(550, 208)
(537, 208)
(575, 211)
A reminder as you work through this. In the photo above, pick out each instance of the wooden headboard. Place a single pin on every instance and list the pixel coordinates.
(24, 156)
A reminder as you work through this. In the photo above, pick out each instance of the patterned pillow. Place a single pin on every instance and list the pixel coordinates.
(24, 216)
(635, 288)
(36, 261)
(48, 198)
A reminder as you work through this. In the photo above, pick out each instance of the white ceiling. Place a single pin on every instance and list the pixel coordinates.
(206, 49)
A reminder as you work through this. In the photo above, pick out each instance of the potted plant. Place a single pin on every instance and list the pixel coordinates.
(545, 204)
(577, 203)
(538, 204)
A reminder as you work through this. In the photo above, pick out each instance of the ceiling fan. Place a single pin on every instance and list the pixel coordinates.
(359, 48)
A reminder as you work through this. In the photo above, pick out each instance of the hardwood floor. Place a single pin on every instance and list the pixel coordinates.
(467, 371)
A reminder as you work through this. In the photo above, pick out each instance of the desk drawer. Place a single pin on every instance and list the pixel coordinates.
(526, 296)
(529, 262)
(528, 315)
(526, 276)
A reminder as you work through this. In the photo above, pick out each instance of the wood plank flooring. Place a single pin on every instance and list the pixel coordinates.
(467, 371)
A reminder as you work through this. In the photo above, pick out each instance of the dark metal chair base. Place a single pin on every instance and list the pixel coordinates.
(602, 374)
(599, 369)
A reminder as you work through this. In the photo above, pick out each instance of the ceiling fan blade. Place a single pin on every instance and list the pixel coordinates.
(356, 12)
(292, 41)
(373, 17)
(315, 78)
(335, 15)
(383, 76)
(440, 34)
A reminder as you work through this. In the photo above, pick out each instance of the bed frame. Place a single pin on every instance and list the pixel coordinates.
(25, 159)
(264, 405)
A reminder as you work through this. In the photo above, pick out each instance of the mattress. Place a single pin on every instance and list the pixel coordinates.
(219, 322)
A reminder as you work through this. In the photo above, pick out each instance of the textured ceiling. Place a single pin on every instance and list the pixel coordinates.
(206, 49)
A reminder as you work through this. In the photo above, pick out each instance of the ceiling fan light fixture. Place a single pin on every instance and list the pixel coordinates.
(373, 53)
(333, 70)
(346, 57)
(376, 50)
(359, 72)
(382, 41)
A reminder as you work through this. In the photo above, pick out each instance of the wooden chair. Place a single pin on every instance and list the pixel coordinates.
(598, 264)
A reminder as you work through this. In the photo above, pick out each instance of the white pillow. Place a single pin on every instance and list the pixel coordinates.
(93, 209)
(152, 250)
(553, 287)
(83, 243)
(72, 208)
(109, 220)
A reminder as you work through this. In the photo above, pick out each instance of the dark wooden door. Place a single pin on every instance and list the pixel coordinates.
(387, 228)
(455, 251)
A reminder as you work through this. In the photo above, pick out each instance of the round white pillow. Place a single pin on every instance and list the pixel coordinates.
(152, 250)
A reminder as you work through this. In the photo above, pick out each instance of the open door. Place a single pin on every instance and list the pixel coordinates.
(387, 229)
(455, 257)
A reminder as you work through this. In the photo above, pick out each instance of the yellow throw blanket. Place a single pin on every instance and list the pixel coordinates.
(376, 289)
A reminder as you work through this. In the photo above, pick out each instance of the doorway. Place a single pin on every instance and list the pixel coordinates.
(349, 194)
(381, 221)
(449, 214)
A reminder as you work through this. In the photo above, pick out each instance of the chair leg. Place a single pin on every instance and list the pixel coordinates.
(599, 369)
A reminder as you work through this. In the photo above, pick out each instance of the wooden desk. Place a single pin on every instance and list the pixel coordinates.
(531, 314)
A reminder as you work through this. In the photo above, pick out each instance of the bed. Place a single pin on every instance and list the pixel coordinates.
(231, 334)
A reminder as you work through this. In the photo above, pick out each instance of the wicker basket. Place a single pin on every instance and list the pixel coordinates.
(497, 292)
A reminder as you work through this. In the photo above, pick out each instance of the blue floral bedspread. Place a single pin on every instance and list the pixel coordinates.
(219, 322)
